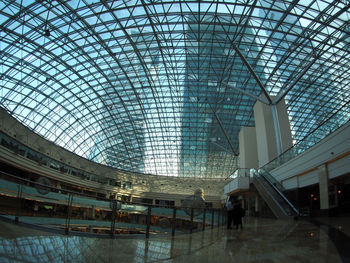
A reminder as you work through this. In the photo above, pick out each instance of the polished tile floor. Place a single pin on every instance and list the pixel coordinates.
(261, 240)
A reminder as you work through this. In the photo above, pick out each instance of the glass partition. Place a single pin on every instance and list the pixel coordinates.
(275, 191)
(38, 204)
(336, 121)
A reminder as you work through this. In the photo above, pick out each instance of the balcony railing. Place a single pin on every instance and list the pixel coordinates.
(43, 206)
(337, 120)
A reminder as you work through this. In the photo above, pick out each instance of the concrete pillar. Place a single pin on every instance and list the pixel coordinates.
(265, 134)
(267, 125)
(323, 186)
(248, 152)
(284, 126)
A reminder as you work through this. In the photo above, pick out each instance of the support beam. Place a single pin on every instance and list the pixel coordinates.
(222, 147)
(252, 72)
(277, 129)
(246, 93)
(224, 131)
(281, 95)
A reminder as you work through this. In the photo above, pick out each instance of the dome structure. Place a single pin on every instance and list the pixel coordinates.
(164, 87)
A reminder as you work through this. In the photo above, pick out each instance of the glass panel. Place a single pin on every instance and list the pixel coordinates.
(164, 88)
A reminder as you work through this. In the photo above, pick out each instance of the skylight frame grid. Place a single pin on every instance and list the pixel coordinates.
(152, 71)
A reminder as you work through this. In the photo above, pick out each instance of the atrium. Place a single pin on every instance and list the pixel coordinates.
(137, 119)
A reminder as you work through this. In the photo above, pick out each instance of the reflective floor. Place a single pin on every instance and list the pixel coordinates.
(261, 240)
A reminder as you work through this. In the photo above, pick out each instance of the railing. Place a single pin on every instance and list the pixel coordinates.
(241, 172)
(68, 212)
(334, 122)
(272, 180)
(43, 160)
(275, 190)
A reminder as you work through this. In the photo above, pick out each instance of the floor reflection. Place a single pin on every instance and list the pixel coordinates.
(261, 240)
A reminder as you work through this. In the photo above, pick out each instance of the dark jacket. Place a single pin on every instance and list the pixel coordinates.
(237, 214)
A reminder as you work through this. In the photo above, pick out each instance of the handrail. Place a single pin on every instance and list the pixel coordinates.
(281, 194)
(282, 158)
(307, 136)
(276, 202)
(47, 186)
(93, 196)
(160, 211)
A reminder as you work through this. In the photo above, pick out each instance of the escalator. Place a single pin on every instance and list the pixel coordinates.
(272, 193)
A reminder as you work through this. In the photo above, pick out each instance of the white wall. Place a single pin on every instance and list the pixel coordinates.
(266, 136)
(331, 147)
(237, 184)
(290, 183)
(284, 126)
(339, 167)
(248, 153)
(265, 133)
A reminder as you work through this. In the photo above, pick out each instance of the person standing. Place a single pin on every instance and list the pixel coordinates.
(229, 210)
(237, 214)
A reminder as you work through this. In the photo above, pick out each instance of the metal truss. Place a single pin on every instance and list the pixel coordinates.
(164, 87)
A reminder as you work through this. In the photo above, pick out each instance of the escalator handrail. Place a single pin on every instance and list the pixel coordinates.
(279, 187)
(281, 194)
(273, 197)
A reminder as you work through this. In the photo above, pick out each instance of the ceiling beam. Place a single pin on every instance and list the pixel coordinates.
(251, 70)
(246, 93)
(224, 131)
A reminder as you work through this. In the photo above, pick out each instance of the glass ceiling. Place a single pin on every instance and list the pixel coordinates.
(163, 87)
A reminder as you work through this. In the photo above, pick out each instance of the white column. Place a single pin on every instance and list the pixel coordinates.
(267, 125)
(323, 186)
(284, 126)
(266, 143)
(276, 127)
(248, 153)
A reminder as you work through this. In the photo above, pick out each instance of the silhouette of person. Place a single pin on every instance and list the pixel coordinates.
(229, 210)
(237, 213)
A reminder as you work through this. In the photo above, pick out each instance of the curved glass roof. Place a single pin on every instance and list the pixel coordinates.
(163, 87)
